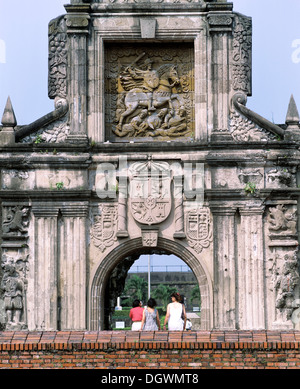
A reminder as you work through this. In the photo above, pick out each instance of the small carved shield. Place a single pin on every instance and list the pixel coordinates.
(103, 229)
(199, 229)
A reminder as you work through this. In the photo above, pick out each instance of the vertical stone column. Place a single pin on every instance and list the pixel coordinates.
(122, 199)
(78, 23)
(224, 267)
(72, 267)
(178, 207)
(220, 28)
(251, 299)
(45, 268)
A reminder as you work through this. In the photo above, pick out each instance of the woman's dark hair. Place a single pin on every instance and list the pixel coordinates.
(151, 303)
(177, 297)
(136, 303)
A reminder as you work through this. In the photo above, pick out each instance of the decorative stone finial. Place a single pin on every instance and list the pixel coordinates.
(9, 119)
(292, 117)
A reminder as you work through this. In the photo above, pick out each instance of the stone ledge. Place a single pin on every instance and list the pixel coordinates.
(105, 340)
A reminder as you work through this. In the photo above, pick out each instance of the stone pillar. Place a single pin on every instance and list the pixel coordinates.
(224, 267)
(251, 300)
(220, 28)
(44, 314)
(78, 23)
(178, 207)
(122, 200)
(72, 267)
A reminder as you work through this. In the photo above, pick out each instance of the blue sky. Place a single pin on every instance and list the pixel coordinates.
(23, 76)
(24, 55)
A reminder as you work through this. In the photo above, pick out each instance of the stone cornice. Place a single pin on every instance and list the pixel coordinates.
(149, 8)
(46, 195)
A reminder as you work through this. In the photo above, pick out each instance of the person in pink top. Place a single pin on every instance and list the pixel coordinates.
(136, 315)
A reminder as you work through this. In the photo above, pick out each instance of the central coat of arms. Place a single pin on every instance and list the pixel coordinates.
(150, 192)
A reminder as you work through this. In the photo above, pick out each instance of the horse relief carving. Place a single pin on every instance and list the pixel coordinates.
(152, 97)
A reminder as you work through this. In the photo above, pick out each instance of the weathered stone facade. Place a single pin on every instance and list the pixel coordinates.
(150, 149)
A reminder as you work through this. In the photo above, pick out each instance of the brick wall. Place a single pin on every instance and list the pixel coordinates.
(150, 350)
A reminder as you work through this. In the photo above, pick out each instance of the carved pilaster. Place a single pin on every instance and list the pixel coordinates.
(251, 268)
(78, 28)
(44, 288)
(224, 267)
(72, 266)
(220, 27)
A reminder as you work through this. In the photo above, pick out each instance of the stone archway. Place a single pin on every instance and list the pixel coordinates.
(135, 247)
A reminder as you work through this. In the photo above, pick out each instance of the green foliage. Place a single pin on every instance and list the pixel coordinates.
(59, 185)
(163, 293)
(38, 139)
(250, 188)
(136, 287)
(195, 295)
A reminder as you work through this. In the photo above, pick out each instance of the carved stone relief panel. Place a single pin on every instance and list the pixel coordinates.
(13, 289)
(282, 221)
(15, 221)
(283, 267)
(285, 280)
(14, 265)
(149, 92)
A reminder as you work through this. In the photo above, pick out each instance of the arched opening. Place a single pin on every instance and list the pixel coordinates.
(158, 276)
(121, 259)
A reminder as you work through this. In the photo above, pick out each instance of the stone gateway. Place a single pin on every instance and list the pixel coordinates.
(150, 148)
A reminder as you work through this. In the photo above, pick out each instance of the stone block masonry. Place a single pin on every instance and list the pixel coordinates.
(150, 350)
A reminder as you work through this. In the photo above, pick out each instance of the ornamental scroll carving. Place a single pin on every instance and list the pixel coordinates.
(244, 130)
(149, 92)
